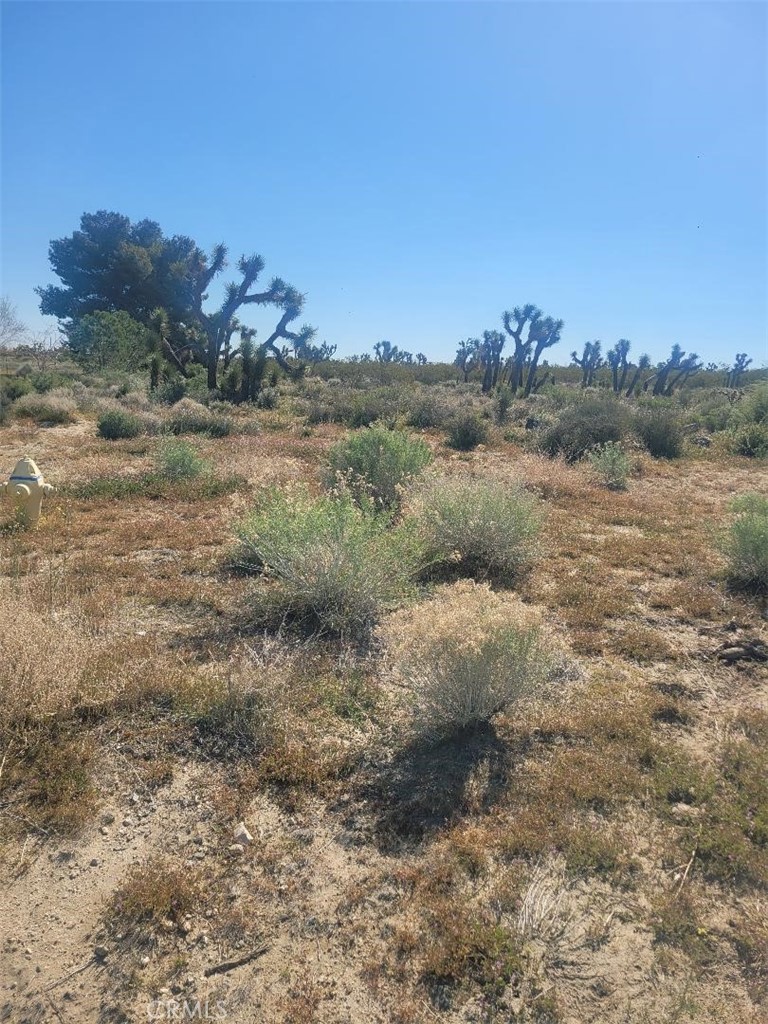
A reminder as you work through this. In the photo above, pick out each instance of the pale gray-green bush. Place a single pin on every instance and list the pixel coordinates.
(611, 465)
(480, 524)
(327, 559)
(746, 544)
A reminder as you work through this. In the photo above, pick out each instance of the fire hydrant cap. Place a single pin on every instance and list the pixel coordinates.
(26, 470)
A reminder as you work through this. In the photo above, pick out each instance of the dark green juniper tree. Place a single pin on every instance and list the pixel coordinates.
(113, 265)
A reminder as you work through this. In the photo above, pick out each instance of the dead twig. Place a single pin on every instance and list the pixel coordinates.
(77, 970)
(688, 867)
(231, 965)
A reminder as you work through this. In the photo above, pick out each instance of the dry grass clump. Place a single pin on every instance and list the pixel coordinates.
(56, 662)
(52, 407)
(479, 524)
(466, 654)
(156, 891)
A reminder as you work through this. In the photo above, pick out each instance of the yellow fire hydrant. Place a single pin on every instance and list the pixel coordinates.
(27, 487)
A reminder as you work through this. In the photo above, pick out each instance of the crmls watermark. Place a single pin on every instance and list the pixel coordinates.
(186, 1009)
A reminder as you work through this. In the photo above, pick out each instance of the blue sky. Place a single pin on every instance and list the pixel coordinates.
(415, 168)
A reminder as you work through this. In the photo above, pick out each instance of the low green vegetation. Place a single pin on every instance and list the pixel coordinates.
(611, 465)
(376, 464)
(746, 544)
(325, 559)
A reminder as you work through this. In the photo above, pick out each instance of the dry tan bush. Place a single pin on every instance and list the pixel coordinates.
(466, 654)
(53, 407)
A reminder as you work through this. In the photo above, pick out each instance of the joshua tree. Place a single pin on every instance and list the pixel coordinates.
(739, 367)
(514, 324)
(617, 360)
(590, 362)
(643, 364)
(468, 356)
(542, 334)
(675, 371)
(490, 357)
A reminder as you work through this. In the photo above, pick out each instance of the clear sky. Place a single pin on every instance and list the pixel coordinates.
(415, 168)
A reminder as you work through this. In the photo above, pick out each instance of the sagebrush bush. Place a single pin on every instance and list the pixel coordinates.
(117, 423)
(746, 545)
(465, 655)
(466, 431)
(479, 524)
(751, 440)
(190, 417)
(177, 459)
(46, 408)
(611, 464)
(584, 425)
(661, 432)
(377, 463)
(327, 559)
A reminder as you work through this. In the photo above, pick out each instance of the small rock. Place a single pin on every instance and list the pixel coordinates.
(144, 961)
(104, 830)
(107, 819)
(236, 850)
(100, 952)
(242, 835)
(94, 862)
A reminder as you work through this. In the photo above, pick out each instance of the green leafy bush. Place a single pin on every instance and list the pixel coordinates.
(12, 388)
(326, 559)
(661, 432)
(466, 431)
(376, 463)
(747, 544)
(753, 408)
(751, 440)
(584, 425)
(177, 459)
(477, 524)
(117, 423)
(611, 464)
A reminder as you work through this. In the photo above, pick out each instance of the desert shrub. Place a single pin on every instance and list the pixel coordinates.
(117, 423)
(12, 388)
(611, 464)
(661, 432)
(267, 398)
(47, 408)
(466, 431)
(327, 559)
(465, 655)
(751, 440)
(584, 425)
(376, 463)
(746, 545)
(753, 408)
(171, 391)
(355, 408)
(480, 524)
(190, 417)
(178, 460)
